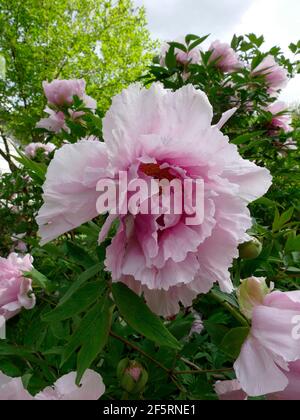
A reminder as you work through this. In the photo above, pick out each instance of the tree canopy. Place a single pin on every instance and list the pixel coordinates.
(105, 42)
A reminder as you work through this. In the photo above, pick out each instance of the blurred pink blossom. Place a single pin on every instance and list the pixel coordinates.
(15, 289)
(182, 57)
(281, 116)
(226, 59)
(32, 149)
(62, 92)
(276, 77)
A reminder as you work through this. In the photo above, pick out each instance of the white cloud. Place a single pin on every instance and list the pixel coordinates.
(170, 18)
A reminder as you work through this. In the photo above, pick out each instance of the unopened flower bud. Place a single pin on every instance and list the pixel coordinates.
(132, 376)
(251, 293)
(250, 250)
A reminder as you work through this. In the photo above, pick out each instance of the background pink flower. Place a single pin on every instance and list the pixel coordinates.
(153, 134)
(182, 57)
(12, 389)
(226, 59)
(32, 148)
(91, 388)
(15, 290)
(262, 365)
(281, 116)
(276, 76)
(62, 92)
(56, 122)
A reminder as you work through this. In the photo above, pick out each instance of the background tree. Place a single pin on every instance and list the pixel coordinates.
(104, 41)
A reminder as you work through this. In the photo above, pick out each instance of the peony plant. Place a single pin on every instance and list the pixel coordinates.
(164, 234)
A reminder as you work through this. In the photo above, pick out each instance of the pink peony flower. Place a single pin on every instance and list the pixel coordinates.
(91, 388)
(62, 92)
(12, 389)
(226, 59)
(230, 390)
(32, 148)
(56, 121)
(158, 134)
(281, 117)
(276, 77)
(182, 57)
(262, 365)
(14, 288)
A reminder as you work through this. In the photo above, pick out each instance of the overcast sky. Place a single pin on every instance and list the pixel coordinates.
(277, 20)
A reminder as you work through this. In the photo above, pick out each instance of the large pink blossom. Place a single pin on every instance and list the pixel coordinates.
(91, 388)
(225, 58)
(276, 77)
(156, 133)
(281, 117)
(32, 148)
(263, 364)
(15, 289)
(182, 57)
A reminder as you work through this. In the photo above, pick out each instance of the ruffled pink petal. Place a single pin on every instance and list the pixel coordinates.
(69, 200)
(257, 371)
(273, 328)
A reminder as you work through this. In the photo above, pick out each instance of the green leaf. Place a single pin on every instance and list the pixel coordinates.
(36, 170)
(170, 59)
(192, 37)
(197, 42)
(292, 243)
(245, 138)
(137, 314)
(98, 338)
(177, 45)
(38, 278)
(77, 303)
(79, 255)
(215, 331)
(233, 341)
(84, 277)
(90, 336)
(281, 220)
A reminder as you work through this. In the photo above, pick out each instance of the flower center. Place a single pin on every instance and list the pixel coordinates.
(154, 170)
